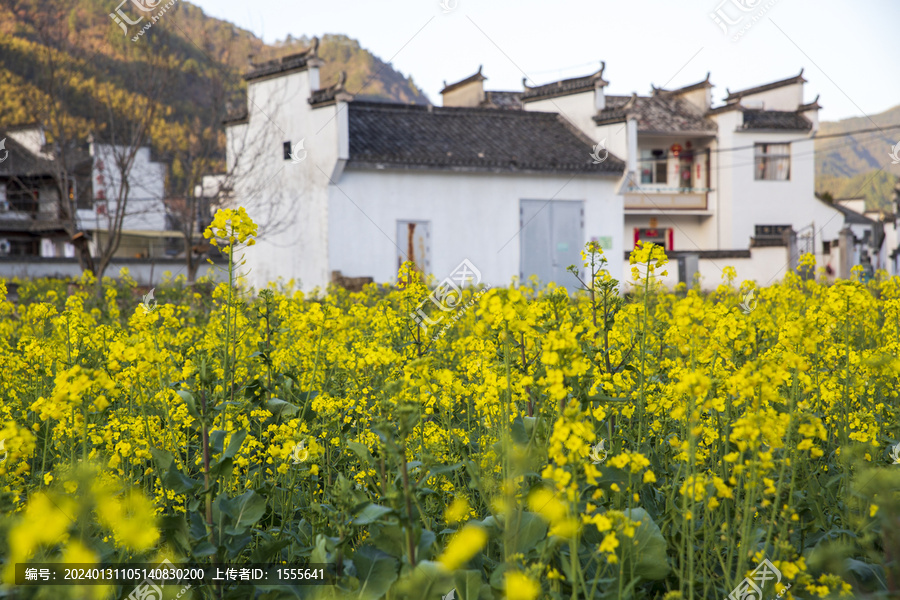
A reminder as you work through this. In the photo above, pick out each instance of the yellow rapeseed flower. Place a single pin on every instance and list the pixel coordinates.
(462, 547)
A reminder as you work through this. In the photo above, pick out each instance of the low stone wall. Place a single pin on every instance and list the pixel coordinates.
(764, 265)
(147, 272)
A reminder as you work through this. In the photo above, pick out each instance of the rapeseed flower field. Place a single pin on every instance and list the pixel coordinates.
(549, 444)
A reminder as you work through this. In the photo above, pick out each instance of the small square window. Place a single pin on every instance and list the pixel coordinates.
(773, 162)
(287, 151)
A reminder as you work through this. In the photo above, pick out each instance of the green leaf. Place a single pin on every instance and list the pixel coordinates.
(169, 474)
(190, 403)
(376, 572)
(223, 467)
(163, 459)
(443, 469)
(234, 444)
(371, 513)
(362, 451)
(423, 549)
(216, 441)
(246, 509)
(281, 408)
(204, 549)
(179, 483)
(530, 530)
(647, 549)
(469, 586)
(518, 433)
(174, 529)
(319, 554)
(266, 551)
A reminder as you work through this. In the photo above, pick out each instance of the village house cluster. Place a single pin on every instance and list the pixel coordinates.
(516, 182)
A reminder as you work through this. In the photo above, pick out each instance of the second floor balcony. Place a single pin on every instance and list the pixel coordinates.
(651, 199)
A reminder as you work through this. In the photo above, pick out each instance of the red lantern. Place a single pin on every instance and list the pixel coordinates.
(676, 149)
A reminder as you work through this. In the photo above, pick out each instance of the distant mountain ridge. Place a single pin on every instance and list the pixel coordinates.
(859, 164)
(202, 47)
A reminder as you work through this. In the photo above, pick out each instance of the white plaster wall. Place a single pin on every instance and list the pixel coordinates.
(890, 243)
(145, 210)
(700, 98)
(616, 136)
(579, 109)
(288, 200)
(723, 166)
(473, 216)
(765, 266)
(788, 97)
(33, 139)
(790, 202)
(469, 95)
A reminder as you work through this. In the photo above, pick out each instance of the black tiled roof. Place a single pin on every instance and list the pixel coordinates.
(732, 96)
(688, 88)
(292, 62)
(565, 87)
(236, 115)
(326, 95)
(469, 139)
(22, 162)
(814, 105)
(851, 216)
(775, 119)
(660, 113)
(503, 100)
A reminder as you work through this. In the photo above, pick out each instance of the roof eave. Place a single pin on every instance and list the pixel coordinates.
(365, 165)
(692, 133)
(558, 94)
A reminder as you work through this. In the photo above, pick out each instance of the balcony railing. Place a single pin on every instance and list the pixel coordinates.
(654, 199)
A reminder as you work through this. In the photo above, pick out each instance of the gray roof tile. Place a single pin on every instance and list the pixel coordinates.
(469, 139)
(660, 113)
(775, 119)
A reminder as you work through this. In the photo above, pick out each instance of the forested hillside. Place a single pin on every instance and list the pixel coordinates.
(859, 164)
(69, 63)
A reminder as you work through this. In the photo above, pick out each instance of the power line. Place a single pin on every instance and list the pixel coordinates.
(803, 139)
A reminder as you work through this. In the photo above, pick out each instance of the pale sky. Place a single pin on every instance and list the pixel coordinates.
(849, 49)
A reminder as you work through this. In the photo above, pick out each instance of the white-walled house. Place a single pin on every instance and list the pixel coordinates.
(36, 238)
(358, 187)
(732, 185)
(144, 232)
(351, 186)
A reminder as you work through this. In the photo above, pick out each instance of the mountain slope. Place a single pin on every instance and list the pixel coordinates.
(859, 164)
(96, 67)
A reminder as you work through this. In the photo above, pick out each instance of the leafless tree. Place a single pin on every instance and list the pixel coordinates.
(112, 114)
